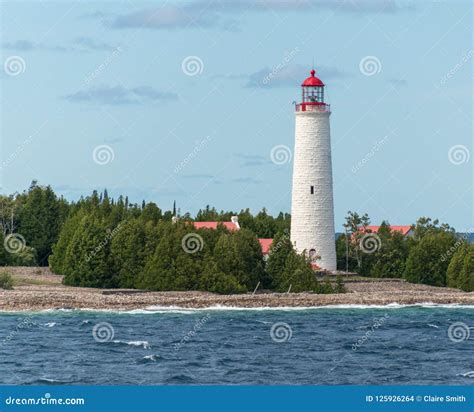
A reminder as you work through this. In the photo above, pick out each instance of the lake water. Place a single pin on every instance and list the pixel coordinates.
(366, 346)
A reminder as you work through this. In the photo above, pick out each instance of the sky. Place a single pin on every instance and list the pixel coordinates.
(193, 101)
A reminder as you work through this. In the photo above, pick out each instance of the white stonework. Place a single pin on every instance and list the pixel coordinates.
(312, 215)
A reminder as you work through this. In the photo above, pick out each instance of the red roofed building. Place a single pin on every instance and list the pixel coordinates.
(232, 226)
(265, 244)
(404, 230)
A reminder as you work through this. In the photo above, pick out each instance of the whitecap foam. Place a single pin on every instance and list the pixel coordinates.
(187, 311)
(137, 343)
(469, 374)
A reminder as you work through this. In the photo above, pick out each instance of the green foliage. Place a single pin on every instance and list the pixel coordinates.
(6, 281)
(24, 257)
(466, 277)
(425, 263)
(40, 218)
(340, 287)
(456, 264)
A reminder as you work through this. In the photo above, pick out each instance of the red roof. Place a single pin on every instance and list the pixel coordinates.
(402, 229)
(312, 81)
(265, 244)
(213, 225)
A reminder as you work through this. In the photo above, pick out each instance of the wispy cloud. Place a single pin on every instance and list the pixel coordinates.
(247, 180)
(168, 17)
(198, 176)
(119, 95)
(216, 14)
(252, 160)
(80, 44)
(288, 76)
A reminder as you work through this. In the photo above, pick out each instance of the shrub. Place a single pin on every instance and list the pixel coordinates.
(6, 281)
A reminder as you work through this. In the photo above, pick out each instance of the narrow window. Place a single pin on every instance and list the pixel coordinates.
(312, 190)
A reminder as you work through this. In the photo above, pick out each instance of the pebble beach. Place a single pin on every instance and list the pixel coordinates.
(38, 289)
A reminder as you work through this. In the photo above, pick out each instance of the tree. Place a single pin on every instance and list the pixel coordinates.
(240, 254)
(425, 263)
(466, 277)
(356, 228)
(389, 260)
(456, 265)
(86, 262)
(280, 248)
(298, 275)
(39, 220)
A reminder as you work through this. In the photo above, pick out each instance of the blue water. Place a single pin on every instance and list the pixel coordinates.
(363, 346)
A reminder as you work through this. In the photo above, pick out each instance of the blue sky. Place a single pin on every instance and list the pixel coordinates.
(185, 101)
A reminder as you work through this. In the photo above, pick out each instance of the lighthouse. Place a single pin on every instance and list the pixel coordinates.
(312, 205)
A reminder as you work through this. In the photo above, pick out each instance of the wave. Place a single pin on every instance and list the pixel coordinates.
(469, 374)
(186, 311)
(149, 358)
(142, 343)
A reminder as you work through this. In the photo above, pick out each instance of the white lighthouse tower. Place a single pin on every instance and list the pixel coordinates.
(312, 205)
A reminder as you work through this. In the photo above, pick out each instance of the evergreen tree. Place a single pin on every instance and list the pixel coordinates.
(425, 263)
(456, 265)
(466, 277)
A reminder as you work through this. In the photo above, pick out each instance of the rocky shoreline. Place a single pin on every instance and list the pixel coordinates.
(38, 289)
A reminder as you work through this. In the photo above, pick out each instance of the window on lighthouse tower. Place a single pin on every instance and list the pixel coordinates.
(312, 190)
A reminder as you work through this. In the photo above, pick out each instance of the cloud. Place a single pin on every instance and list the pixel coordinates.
(252, 160)
(206, 14)
(359, 6)
(167, 17)
(87, 43)
(288, 76)
(80, 44)
(119, 95)
(248, 180)
(198, 176)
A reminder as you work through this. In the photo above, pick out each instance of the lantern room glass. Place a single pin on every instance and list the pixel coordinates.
(313, 94)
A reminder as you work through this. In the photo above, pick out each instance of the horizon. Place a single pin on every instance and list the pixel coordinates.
(152, 102)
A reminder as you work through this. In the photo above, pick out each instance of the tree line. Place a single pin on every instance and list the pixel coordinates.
(433, 254)
(98, 241)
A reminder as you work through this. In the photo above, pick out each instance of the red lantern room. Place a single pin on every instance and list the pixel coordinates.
(312, 95)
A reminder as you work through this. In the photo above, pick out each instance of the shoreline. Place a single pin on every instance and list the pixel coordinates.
(37, 289)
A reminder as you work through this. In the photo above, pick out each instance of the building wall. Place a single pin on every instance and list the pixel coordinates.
(312, 215)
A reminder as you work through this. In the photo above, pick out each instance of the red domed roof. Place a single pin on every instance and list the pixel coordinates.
(312, 80)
